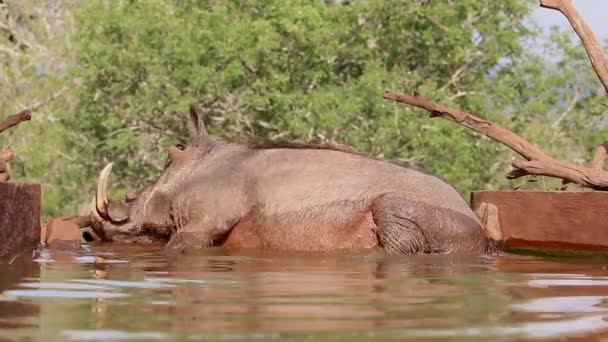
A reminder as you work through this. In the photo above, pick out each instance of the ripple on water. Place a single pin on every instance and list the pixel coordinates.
(194, 281)
(126, 284)
(89, 259)
(60, 294)
(301, 296)
(568, 282)
(61, 290)
(112, 335)
(531, 330)
(573, 304)
(63, 286)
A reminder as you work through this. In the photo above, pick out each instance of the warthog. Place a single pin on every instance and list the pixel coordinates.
(290, 197)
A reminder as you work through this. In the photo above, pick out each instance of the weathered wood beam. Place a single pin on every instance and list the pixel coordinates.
(557, 220)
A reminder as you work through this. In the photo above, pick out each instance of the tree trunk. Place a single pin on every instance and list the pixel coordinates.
(19, 216)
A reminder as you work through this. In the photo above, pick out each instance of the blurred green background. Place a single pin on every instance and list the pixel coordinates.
(112, 81)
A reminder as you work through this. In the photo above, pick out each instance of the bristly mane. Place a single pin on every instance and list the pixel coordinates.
(315, 144)
(256, 143)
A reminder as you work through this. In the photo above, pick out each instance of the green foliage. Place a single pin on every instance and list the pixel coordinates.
(34, 67)
(314, 69)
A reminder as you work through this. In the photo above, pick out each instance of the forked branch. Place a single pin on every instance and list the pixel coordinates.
(590, 42)
(536, 161)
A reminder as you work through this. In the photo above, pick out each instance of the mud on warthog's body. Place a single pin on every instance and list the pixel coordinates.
(289, 197)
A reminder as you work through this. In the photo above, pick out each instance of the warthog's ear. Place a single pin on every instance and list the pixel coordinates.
(198, 132)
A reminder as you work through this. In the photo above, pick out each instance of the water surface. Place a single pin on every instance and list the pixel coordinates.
(132, 293)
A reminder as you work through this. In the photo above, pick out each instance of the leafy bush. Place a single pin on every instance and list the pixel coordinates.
(314, 69)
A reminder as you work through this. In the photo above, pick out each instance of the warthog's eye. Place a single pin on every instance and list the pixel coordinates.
(180, 147)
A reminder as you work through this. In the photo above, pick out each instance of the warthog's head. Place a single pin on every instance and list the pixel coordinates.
(149, 214)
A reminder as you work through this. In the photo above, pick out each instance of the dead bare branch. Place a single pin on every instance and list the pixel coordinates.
(512, 140)
(537, 162)
(590, 42)
(14, 120)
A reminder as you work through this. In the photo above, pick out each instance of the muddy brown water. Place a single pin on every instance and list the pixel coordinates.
(131, 293)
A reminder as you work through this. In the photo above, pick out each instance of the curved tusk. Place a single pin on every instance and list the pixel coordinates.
(101, 196)
(94, 214)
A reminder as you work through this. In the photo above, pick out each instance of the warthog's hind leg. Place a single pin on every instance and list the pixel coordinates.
(406, 225)
(397, 230)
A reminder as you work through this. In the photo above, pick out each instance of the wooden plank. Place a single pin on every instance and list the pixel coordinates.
(19, 216)
(550, 220)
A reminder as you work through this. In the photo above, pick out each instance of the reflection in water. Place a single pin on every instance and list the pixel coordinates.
(16, 314)
(115, 292)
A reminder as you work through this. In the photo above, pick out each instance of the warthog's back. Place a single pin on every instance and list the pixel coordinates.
(288, 179)
(326, 199)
